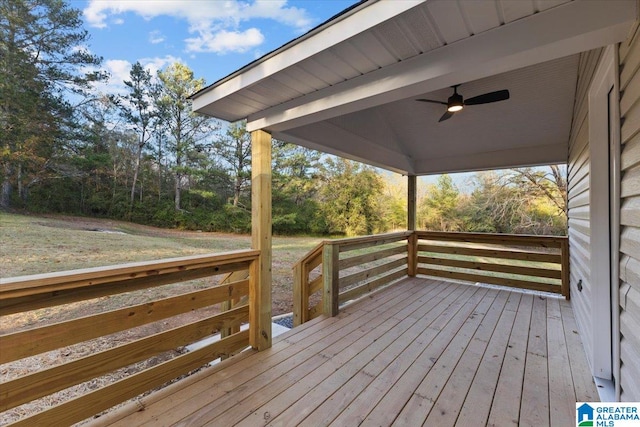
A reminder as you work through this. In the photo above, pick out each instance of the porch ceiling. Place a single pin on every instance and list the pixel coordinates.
(349, 86)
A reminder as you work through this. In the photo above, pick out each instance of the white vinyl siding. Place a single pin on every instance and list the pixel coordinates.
(629, 55)
(578, 201)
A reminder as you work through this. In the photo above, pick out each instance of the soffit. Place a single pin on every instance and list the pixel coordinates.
(426, 26)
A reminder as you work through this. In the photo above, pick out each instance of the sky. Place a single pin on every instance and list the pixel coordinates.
(212, 37)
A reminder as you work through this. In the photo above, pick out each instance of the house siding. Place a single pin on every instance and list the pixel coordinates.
(579, 199)
(629, 56)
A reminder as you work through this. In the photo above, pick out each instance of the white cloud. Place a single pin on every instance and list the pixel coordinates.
(225, 41)
(156, 37)
(278, 11)
(119, 69)
(158, 63)
(214, 24)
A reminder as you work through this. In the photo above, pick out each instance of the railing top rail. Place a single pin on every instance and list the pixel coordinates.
(551, 241)
(94, 275)
(364, 239)
(313, 252)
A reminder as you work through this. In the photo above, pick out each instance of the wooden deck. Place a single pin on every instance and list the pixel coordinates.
(422, 352)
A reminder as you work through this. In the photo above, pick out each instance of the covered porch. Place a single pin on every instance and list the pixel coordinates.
(416, 350)
(421, 352)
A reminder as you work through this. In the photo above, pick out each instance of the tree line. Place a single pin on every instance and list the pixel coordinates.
(144, 156)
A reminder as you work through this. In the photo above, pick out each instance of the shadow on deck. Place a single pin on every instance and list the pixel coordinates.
(422, 352)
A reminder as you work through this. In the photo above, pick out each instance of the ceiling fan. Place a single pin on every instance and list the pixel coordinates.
(456, 102)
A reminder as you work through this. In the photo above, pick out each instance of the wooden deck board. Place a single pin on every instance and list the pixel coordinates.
(505, 409)
(560, 381)
(265, 368)
(417, 335)
(329, 382)
(476, 407)
(422, 352)
(386, 411)
(449, 405)
(428, 392)
(534, 408)
(358, 409)
(277, 406)
(584, 388)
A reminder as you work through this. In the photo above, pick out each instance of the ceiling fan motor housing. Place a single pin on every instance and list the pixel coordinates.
(455, 103)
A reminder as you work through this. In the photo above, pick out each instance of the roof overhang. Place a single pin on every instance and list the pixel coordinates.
(349, 86)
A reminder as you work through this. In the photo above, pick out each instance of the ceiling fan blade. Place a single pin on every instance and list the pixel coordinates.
(432, 101)
(499, 95)
(446, 116)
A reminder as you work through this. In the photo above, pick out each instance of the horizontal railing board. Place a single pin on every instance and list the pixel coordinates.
(370, 257)
(492, 253)
(45, 338)
(315, 285)
(500, 268)
(314, 262)
(372, 285)
(315, 311)
(87, 405)
(45, 382)
(28, 285)
(495, 238)
(317, 250)
(42, 298)
(514, 283)
(355, 243)
(372, 272)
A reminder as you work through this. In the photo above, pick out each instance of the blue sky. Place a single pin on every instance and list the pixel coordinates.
(212, 37)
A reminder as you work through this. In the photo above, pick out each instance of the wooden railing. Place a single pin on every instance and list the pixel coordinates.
(308, 286)
(538, 263)
(326, 278)
(23, 294)
(337, 271)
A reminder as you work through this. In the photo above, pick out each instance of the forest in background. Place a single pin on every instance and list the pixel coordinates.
(144, 156)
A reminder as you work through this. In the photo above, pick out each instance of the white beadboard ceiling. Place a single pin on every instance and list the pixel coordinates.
(349, 86)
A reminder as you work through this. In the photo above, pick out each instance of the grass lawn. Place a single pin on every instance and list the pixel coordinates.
(41, 244)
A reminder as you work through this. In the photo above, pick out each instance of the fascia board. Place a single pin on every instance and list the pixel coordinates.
(351, 25)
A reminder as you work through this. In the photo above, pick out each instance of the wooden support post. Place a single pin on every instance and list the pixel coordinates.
(411, 202)
(564, 260)
(412, 241)
(260, 278)
(299, 302)
(412, 255)
(331, 278)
